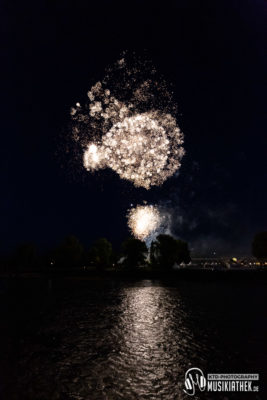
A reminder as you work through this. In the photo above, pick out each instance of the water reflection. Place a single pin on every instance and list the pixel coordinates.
(129, 342)
(126, 342)
(153, 337)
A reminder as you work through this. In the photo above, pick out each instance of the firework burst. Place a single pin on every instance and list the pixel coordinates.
(143, 221)
(132, 131)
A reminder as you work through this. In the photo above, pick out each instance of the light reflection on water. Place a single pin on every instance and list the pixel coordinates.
(121, 342)
(149, 359)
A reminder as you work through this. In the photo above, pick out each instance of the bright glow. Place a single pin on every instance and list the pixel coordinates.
(143, 221)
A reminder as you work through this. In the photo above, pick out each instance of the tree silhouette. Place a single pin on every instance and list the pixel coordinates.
(69, 253)
(101, 252)
(134, 252)
(166, 251)
(26, 256)
(259, 245)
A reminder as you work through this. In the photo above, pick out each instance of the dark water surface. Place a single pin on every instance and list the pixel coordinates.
(88, 340)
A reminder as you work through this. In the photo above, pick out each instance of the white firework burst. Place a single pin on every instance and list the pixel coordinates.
(143, 221)
(142, 147)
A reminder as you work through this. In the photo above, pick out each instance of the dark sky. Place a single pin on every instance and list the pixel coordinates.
(211, 51)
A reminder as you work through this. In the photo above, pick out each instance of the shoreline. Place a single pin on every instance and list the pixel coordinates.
(181, 274)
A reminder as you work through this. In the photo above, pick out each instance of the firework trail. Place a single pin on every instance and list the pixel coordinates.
(127, 125)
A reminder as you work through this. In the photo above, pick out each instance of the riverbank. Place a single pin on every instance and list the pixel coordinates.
(176, 275)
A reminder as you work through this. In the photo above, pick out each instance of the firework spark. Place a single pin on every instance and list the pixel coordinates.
(135, 136)
(92, 157)
(143, 221)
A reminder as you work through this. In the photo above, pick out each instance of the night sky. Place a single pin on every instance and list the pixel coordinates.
(213, 54)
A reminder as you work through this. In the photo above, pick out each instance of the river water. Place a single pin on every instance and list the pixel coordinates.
(112, 340)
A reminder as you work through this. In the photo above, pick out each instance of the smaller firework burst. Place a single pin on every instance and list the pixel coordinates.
(143, 221)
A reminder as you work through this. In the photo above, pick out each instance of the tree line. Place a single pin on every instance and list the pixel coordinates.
(164, 252)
